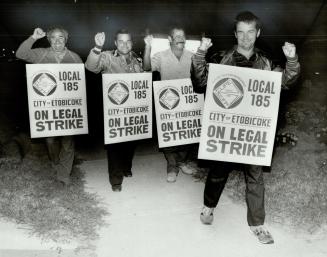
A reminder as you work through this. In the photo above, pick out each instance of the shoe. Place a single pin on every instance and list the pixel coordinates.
(171, 177)
(63, 178)
(116, 188)
(77, 161)
(187, 169)
(206, 215)
(128, 174)
(262, 234)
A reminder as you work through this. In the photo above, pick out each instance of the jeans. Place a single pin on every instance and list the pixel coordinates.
(254, 194)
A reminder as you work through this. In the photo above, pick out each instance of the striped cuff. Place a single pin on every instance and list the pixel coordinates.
(97, 50)
(201, 53)
(292, 59)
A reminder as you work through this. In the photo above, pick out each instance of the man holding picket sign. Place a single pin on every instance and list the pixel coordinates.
(121, 61)
(60, 149)
(247, 30)
(173, 63)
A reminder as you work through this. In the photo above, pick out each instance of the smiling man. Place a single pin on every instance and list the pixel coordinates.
(56, 53)
(244, 54)
(120, 60)
(173, 63)
(60, 149)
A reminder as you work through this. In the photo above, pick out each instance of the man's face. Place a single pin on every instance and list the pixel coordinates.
(177, 39)
(57, 40)
(124, 43)
(246, 35)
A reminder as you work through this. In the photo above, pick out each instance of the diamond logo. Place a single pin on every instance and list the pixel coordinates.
(228, 93)
(44, 84)
(118, 93)
(169, 98)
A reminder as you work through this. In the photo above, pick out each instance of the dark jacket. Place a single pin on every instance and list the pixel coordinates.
(199, 69)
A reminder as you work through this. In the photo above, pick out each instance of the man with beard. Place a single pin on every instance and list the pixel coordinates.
(60, 149)
(173, 63)
(244, 54)
(121, 60)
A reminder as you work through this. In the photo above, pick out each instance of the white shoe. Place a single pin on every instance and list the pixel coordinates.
(206, 215)
(187, 169)
(262, 234)
(171, 177)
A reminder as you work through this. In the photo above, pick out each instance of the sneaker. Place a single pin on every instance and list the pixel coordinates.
(187, 169)
(128, 174)
(171, 177)
(262, 234)
(206, 215)
(116, 188)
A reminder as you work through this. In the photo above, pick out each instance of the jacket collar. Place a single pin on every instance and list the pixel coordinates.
(253, 57)
(117, 54)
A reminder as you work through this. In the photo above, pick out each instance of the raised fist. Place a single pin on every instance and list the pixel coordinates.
(38, 33)
(99, 39)
(148, 40)
(289, 50)
(205, 44)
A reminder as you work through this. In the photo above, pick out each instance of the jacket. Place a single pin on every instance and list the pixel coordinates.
(199, 68)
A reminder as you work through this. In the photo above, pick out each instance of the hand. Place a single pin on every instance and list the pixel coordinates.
(205, 44)
(148, 40)
(38, 33)
(289, 50)
(99, 39)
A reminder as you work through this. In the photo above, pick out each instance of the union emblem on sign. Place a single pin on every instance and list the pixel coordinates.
(44, 84)
(118, 93)
(169, 98)
(228, 93)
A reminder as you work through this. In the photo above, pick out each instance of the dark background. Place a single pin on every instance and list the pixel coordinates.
(282, 20)
(301, 22)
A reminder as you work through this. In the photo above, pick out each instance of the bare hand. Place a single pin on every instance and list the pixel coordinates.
(148, 40)
(205, 44)
(289, 50)
(38, 33)
(99, 39)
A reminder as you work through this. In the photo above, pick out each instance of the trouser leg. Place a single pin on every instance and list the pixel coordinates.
(61, 153)
(130, 150)
(215, 183)
(53, 147)
(175, 155)
(191, 153)
(120, 157)
(66, 158)
(254, 194)
(172, 159)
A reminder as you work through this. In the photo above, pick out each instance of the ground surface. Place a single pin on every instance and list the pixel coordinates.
(151, 217)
